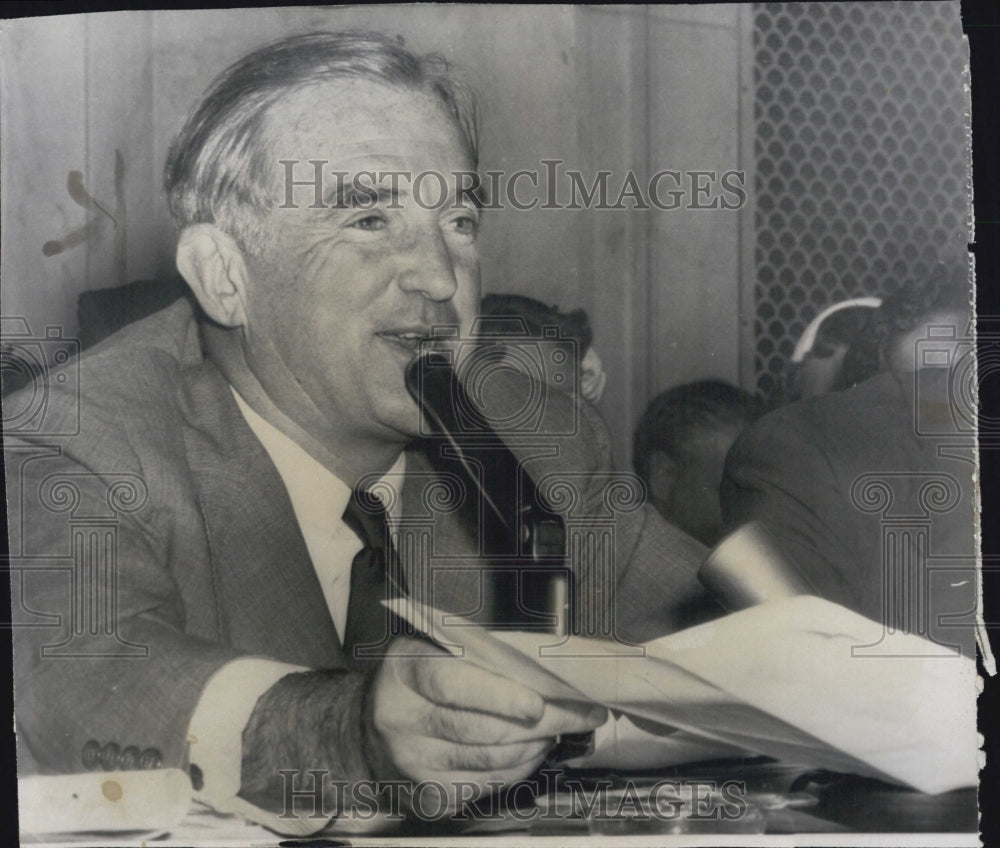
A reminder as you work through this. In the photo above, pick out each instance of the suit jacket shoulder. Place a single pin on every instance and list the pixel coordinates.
(163, 504)
(837, 478)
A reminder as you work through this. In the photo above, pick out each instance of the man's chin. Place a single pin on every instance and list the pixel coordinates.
(394, 406)
(404, 419)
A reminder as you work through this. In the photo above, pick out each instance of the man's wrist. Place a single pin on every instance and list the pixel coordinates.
(308, 726)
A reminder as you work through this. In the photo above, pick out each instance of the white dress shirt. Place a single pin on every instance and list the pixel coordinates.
(319, 499)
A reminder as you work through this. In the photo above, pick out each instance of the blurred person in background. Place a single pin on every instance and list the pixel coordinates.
(848, 483)
(817, 364)
(516, 315)
(938, 305)
(680, 447)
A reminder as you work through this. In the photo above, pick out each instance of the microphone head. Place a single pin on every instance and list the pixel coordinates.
(433, 384)
(430, 368)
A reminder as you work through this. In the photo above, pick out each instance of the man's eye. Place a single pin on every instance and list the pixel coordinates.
(370, 222)
(467, 225)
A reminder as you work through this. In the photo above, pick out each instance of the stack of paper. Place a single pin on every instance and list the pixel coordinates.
(790, 679)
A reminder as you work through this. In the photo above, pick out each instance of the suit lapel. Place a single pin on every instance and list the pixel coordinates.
(261, 566)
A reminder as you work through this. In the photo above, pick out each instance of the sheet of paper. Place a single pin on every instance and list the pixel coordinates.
(620, 744)
(791, 680)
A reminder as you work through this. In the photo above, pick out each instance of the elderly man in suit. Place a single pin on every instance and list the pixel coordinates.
(224, 443)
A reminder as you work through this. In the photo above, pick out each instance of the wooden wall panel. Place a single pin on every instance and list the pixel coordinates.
(617, 89)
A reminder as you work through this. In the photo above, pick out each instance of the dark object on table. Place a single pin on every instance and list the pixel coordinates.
(870, 806)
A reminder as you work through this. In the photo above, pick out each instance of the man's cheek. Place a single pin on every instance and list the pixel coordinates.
(467, 306)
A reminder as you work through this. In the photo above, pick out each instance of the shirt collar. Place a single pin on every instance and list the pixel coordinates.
(315, 491)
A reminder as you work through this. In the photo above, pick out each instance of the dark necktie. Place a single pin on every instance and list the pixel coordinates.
(375, 577)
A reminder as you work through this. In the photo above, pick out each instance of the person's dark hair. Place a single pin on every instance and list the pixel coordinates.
(512, 314)
(901, 312)
(218, 168)
(904, 309)
(674, 419)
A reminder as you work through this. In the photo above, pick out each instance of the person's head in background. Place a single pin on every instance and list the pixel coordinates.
(679, 450)
(818, 360)
(519, 316)
(937, 305)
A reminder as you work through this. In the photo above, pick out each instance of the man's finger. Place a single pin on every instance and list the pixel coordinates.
(571, 717)
(468, 727)
(460, 685)
(450, 758)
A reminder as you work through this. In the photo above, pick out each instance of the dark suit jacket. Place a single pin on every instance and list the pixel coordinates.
(869, 492)
(160, 543)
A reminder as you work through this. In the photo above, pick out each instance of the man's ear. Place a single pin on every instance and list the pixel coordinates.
(662, 476)
(214, 268)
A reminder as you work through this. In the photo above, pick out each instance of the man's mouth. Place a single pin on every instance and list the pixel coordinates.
(410, 340)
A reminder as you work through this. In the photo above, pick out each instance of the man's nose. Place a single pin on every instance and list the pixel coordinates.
(428, 267)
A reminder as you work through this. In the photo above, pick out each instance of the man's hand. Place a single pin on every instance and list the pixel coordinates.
(441, 718)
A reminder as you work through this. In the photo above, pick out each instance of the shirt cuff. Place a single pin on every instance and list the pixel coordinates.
(215, 734)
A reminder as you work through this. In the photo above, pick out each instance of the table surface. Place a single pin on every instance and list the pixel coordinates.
(808, 808)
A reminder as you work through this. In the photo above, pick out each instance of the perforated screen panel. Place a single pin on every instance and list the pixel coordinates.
(861, 155)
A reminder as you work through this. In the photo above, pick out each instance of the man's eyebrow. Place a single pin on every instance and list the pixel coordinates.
(347, 194)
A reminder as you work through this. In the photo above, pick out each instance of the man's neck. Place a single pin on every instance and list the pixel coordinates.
(349, 459)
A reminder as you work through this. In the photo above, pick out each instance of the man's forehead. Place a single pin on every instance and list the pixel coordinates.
(358, 118)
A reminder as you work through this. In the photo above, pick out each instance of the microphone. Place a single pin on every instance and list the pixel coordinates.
(521, 536)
